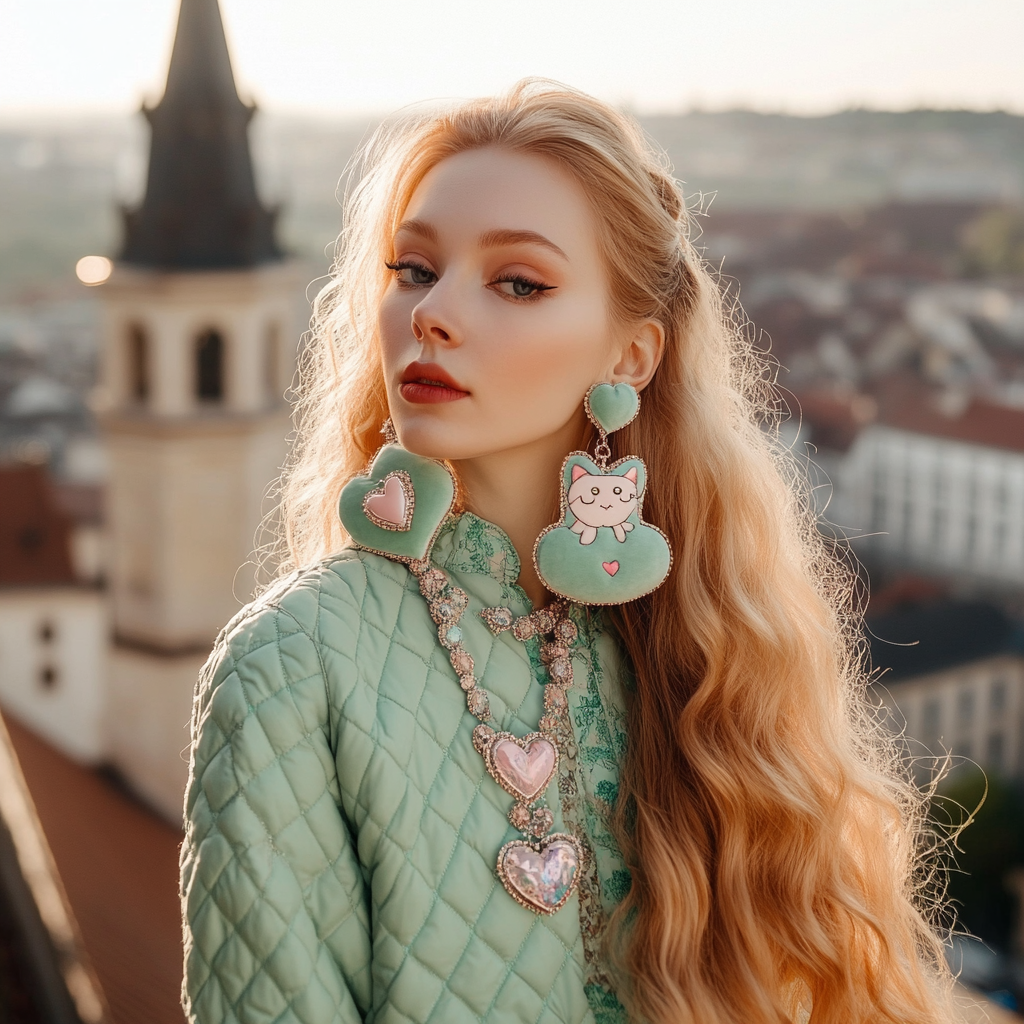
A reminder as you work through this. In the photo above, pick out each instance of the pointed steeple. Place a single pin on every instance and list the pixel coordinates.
(201, 210)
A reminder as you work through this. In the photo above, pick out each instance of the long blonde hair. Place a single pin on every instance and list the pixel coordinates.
(773, 842)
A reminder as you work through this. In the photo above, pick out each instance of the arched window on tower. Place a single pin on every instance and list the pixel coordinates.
(210, 366)
(138, 364)
(272, 364)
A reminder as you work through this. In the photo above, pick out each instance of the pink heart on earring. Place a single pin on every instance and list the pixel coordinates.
(390, 506)
(610, 567)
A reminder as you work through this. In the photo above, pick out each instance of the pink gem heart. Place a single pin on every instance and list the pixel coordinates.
(522, 767)
(390, 506)
(541, 880)
(610, 567)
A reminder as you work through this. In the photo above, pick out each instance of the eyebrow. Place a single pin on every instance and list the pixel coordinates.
(419, 227)
(489, 239)
(507, 236)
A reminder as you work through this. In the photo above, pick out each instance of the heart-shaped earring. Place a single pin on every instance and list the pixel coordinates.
(611, 406)
(397, 508)
(601, 551)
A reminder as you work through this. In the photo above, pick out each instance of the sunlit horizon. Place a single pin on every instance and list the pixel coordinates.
(21, 116)
(321, 59)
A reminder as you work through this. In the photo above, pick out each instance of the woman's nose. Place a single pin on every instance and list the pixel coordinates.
(423, 329)
(434, 320)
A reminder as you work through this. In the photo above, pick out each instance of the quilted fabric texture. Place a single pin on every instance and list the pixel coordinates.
(342, 832)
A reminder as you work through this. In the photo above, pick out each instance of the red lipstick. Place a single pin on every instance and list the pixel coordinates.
(427, 383)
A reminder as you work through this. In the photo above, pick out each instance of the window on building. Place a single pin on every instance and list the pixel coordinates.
(907, 537)
(272, 364)
(940, 505)
(1002, 505)
(965, 709)
(997, 696)
(995, 752)
(210, 366)
(878, 495)
(931, 722)
(971, 525)
(138, 364)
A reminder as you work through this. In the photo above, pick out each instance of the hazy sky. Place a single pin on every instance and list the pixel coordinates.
(342, 56)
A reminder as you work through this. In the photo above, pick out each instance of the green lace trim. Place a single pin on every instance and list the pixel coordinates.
(471, 544)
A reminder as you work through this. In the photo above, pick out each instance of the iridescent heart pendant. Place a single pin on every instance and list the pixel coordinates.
(522, 767)
(540, 876)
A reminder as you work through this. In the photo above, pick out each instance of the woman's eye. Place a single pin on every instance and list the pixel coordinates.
(520, 287)
(412, 273)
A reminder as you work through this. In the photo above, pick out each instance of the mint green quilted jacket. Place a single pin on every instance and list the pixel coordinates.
(342, 832)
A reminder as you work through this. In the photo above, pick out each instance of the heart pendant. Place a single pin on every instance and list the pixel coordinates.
(391, 505)
(522, 767)
(542, 876)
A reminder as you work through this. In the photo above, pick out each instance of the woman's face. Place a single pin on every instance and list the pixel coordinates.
(497, 318)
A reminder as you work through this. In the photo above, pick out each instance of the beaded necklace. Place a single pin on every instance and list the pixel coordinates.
(540, 871)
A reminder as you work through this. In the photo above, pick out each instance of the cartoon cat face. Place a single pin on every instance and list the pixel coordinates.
(602, 500)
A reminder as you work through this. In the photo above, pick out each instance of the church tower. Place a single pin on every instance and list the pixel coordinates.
(201, 317)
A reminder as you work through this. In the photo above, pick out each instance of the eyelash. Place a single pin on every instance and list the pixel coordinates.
(539, 289)
(538, 293)
(400, 265)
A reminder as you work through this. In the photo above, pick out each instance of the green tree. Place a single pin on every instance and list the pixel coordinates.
(989, 846)
(994, 243)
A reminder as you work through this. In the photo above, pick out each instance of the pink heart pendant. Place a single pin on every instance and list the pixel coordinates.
(522, 767)
(540, 877)
(391, 505)
(610, 567)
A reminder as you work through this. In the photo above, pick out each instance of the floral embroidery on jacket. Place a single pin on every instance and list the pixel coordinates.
(592, 738)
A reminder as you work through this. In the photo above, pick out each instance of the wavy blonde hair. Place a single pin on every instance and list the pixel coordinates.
(774, 845)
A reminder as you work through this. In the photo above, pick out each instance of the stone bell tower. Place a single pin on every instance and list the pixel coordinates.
(201, 322)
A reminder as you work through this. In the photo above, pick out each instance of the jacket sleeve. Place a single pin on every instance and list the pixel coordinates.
(276, 925)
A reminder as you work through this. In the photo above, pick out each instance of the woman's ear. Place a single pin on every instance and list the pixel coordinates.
(641, 355)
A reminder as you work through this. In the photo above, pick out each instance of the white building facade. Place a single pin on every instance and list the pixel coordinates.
(54, 664)
(938, 504)
(973, 712)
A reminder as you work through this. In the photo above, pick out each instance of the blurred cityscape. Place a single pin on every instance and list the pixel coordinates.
(878, 257)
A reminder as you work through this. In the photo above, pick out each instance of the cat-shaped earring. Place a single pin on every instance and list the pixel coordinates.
(601, 551)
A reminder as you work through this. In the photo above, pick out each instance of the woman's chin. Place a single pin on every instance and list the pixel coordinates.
(437, 437)
(437, 441)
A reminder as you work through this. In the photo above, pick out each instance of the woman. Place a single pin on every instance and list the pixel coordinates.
(708, 830)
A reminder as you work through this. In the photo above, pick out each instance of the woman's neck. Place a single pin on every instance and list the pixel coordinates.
(518, 490)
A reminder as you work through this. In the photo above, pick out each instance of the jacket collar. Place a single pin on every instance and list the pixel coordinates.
(467, 543)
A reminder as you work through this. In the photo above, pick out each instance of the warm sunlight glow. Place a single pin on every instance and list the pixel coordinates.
(93, 270)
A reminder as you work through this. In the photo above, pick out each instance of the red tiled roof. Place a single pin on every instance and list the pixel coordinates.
(833, 420)
(908, 406)
(83, 503)
(119, 866)
(907, 590)
(34, 531)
